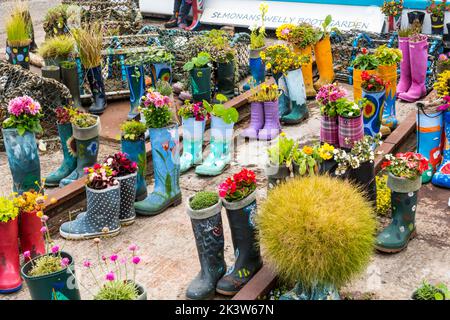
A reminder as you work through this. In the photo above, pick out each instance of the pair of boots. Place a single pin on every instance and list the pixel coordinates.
(264, 121)
(180, 12)
(27, 227)
(107, 210)
(96, 83)
(413, 69)
(208, 232)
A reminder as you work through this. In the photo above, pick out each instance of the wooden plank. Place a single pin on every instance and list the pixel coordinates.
(260, 285)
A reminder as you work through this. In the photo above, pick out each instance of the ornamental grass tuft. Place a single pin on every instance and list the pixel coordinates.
(203, 200)
(46, 265)
(317, 230)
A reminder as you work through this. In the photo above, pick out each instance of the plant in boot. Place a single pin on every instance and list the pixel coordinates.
(164, 88)
(57, 49)
(18, 38)
(121, 164)
(100, 176)
(393, 12)
(55, 20)
(204, 210)
(238, 195)
(280, 166)
(24, 115)
(319, 246)
(442, 84)
(280, 59)
(388, 56)
(200, 61)
(222, 123)
(132, 130)
(373, 102)
(428, 291)
(258, 34)
(193, 116)
(404, 180)
(372, 82)
(350, 121)
(365, 61)
(156, 109)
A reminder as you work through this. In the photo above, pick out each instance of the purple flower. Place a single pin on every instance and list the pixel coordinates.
(55, 249)
(26, 254)
(110, 276)
(44, 229)
(87, 263)
(136, 260)
(44, 218)
(114, 257)
(65, 262)
(133, 247)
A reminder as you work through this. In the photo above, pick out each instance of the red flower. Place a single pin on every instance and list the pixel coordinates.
(385, 164)
(364, 51)
(97, 166)
(165, 145)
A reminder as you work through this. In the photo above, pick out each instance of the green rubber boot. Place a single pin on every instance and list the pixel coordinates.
(396, 236)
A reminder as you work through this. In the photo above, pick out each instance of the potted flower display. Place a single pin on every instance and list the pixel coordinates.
(309, 238)
(69, 77)
(50, 276)
(302, 37)
(193, 116)
(437, 14)
(286, 66)
(443, 63)
(374, 93)
(103, 206)
(65, 133)
(85, 130)
(280, 156)
(18, 39)
(223, 55)
(118, 284)
(257, 44)
(404, 179)
(222, 124)
(134, 69)
(10, 280)
(89, 43)
(351, 126)
(204, 209)
(363, 62)
(200, 76)
(264, 120)
(57, 49)
(133, 144)
(55, 21)
(357, 164)
(160, 61)
(164, 140)
(327, 97)
(238, 195)
(392, 9)
(323, 55)
(19, 131)
(308, 159)
(387, 69)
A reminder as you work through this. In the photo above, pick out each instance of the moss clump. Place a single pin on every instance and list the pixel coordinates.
(203, 200)
(317, 230)
(383, 196)
(117, 290)
(45, 265)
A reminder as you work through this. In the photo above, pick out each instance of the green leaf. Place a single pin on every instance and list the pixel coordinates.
(221, 98)
(188, 66)
(438, 296)
(21, 130)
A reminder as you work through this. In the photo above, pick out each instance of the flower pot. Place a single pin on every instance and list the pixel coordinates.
(257, 66)
(61, 285)
(329, 130)
(127, 196)
(69, 77)
(87, 133)
(357, 90)
(351, 129)
(136, 85)
(225, 79)
(201, 84)
(136, 153)
(437, 24)
(328, 167)
(54, 61)
(278, 174)
(52, 72)
(307, 71)
(416, 16)
(31, 237)
(403, 185)
(284, 104)
(297, 97)
(364, 176)
(393, 23)
(389, 73)
(18, 55)
(373, 112)
(160, 71)
(23, 159)
(10, 280)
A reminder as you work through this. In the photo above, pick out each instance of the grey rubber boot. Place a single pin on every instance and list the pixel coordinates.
(208, 232)
(127, 195)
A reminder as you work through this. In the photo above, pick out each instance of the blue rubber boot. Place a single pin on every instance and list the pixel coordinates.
(442, 177)
(192, 143)
(166, 168)
(219, 156)
(136, 153)
(96, 83)
(136, 84)
(317, 292)
(69, 162)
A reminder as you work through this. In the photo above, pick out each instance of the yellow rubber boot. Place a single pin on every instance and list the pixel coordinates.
(307, 72)
(357, 90)
(324, 62)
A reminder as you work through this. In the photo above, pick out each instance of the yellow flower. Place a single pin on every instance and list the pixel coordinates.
(269, 65)
(326, 151)
(282, 134)
(308, 150)
(39, 214)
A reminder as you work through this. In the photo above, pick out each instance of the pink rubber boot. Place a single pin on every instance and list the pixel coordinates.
(405, 66)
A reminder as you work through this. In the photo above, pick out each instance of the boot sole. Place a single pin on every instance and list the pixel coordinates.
(51, 185)
(6, 291)
(175, 202)
(389, 250)
(227, 293)
(70, 236)
(128, 222)
(213, 175)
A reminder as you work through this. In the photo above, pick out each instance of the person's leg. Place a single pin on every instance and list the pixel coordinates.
(173, 21)
(184, 12)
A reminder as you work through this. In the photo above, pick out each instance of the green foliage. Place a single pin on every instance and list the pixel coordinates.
(428, 291)
(45, 265)
(55, 19)
(325, 32)
(117, 290)
(383, 196)
(388, 56)
(152, 54)
(164, 88)
(7, 209)
(57, 47)
(282, 152)
(24, 123)
(17, 30)
(323, 234)
(347, 108)
(365, 62)
(133, 130)
(203, 199)
(89, 41)
(200, 61)
(258, 34)
(221, 51)
(228, 115)
(68, 64)
(304, 35)
(404, 33)
(82, 119)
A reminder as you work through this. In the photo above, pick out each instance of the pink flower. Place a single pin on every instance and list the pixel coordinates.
(55, 249)
(114, 257)
(132, 247)
(87, 263)
(443, 57)
(27, 254)
(103, 258)
(136, 260)
(166, 100)
(285, 31)
(44, 218)
(44, 229)
(110, 276)
(65, 262)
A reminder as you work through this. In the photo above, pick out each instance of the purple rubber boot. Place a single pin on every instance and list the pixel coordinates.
(418, 53)
(272, 126)
(256, 121)
(405, 66)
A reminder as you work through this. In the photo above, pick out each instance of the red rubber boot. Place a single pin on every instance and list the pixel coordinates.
(10, 280)
(31, 237)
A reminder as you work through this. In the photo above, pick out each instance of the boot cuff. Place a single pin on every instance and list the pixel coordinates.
(87, 133)
(203, 213)
(240, 204)
(403, 185)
